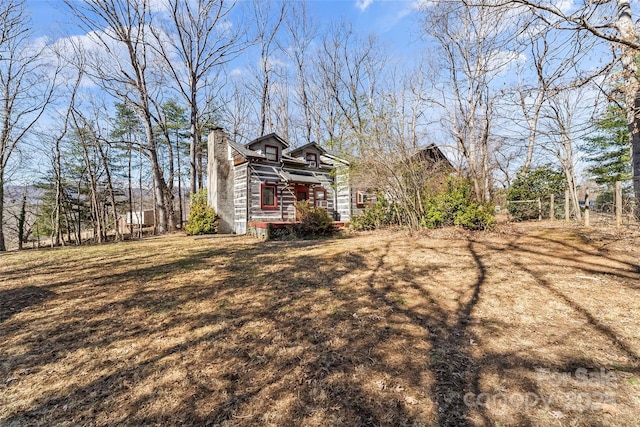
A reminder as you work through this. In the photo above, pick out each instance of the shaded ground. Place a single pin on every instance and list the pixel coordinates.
(534, 324)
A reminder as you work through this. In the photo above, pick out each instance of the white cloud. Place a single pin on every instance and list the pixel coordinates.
(563, 5)
(236, 72)
(501, 60)
(422, 5)
(363, 4)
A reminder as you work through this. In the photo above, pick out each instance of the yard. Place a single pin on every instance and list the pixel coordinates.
(533, 324)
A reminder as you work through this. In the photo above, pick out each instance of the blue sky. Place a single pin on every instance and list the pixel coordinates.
(395, 21)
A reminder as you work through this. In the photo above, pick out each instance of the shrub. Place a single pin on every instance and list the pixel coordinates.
(202, 218)
(531, 185)
(476, 216)
(375, 216)
(314, 221)
(455, 206)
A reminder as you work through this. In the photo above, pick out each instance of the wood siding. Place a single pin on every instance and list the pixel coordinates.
(267, 174)
(264, 174)
(240, 199)
(344, 198)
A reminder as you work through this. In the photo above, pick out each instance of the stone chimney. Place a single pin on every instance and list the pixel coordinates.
(220, 173)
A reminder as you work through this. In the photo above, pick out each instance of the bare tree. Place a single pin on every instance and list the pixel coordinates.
(123, 67)
(301, 32)
(400, 160)
(565, 120)
(349, 71)
(554, 60)
(193, 41)
(57, 152)
(26, 83)
(473, 51)
(608, 21)
(268, 19)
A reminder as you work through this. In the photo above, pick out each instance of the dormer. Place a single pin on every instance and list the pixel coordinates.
(310, 153)
(270, 146)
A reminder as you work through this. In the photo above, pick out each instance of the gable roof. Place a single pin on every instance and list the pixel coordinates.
(245, 152)
(299, 150)
(335, 157)
(269, 136)
(432, 152)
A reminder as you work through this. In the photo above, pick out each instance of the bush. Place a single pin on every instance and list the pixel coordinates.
(536, 183)
(378, 215)
(476, 216)
(455, 206)
(202, 218)
(314, 221)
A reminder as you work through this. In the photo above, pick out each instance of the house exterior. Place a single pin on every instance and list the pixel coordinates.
(262, 180)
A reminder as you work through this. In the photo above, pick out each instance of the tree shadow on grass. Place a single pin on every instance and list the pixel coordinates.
(13, 301)
(277, 333)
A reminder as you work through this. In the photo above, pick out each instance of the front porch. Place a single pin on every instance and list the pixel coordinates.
(264, 229)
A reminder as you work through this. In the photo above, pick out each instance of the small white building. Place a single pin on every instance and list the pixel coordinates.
(136, 219)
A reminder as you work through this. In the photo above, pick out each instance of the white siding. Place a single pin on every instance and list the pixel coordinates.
(261, 174)
(240, 199)
(343, 196)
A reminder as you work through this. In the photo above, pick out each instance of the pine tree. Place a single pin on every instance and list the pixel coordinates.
(608, 152)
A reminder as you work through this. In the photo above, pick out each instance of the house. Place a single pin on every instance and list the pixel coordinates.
(137, 219)
(260, 182)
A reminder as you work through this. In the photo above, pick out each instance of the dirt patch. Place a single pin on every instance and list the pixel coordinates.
(533, 324)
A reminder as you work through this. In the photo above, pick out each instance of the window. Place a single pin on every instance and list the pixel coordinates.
(271, 152)
(312, 160)
(364, 199)
(268, 196)
(321, 198)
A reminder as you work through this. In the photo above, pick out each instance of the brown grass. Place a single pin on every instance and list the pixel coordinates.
(538, 323)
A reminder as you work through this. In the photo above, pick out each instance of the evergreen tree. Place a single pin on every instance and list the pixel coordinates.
(126, 134)
(608, 152)
(532, 184)
(172, 130)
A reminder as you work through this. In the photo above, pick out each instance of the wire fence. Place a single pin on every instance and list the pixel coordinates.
(615, 205)
(606, 205)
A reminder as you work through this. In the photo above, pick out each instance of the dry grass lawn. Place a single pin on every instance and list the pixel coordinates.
(534, 324)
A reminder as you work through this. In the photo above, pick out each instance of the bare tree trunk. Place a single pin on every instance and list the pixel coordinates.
(573, 192)
(22, 218)
(57, 167)
(159, 184)
(141, 207)
(170, 183)
(200, 164)
(93, 188)
(181, 215)
(79, 230)
(130, 191)
(628, 32)
(193, 144)
(2, 244)
(112, 196)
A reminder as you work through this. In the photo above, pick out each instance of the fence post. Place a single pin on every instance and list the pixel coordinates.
(586, 208)
(552, 208)
(539, 209)
(618, 198)
(566, 206)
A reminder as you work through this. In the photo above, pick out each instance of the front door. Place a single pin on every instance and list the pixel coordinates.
(302, 194)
